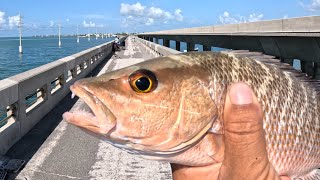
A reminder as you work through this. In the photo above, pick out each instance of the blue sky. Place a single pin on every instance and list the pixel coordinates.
(109, 16)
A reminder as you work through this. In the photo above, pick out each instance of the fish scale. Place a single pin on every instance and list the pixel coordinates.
(288, 103)
(181, 120)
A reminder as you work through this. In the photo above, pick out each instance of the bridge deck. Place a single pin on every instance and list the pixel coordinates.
(69, 153)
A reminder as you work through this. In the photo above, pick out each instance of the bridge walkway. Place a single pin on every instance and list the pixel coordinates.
(65, 152)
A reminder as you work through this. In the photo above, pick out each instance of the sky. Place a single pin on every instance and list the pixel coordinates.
(41, 17)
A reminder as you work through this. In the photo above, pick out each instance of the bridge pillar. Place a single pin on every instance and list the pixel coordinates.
(307, 67)
(166, 42)
(190, 46)
(178, 45)
(316, 70)
(206, 48)
(150, 39)
(288, 61)
(156, 40)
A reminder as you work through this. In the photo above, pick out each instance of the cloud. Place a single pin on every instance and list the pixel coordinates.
(89, 24)
(137, 14)
(178, 15)
(150, 21)
(14, 21)
(227, 18)
(158, 13)
(2, 18)
(51, 23)
(313, 5)
(255, 17)
(134, 9)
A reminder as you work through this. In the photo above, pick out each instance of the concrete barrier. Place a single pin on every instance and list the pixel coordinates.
(27, 97)
(157, 49)
(292, 25)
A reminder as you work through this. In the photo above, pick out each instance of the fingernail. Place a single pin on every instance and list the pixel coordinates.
(240, 94)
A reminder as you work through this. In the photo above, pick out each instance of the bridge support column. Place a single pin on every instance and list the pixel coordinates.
(166, 42)
(190, 46)
(316, 70)
(206, 48)
(307, 67)
(178, 45)
(288, 61)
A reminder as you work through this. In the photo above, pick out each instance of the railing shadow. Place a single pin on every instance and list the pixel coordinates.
(28, 145)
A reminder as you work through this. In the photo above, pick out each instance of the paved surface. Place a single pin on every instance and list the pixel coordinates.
(69, 153)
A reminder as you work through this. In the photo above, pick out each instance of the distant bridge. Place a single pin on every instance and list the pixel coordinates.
(286, 39)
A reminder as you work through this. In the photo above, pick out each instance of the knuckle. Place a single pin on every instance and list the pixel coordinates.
(244, 119)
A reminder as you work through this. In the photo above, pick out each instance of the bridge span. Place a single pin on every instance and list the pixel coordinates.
(286, 39)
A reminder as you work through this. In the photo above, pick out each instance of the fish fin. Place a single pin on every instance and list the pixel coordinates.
(313, 175)
(218, 93)
(273, 61)
(217, 127)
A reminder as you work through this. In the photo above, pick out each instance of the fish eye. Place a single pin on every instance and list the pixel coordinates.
(143, 81)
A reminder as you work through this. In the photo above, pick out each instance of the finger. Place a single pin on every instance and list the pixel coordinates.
(181, 172)
(245, 146)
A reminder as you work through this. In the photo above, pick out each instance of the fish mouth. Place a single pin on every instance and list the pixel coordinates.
(99, 120)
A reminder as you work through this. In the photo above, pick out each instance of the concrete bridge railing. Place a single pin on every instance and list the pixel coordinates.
(157, 49)
(286, 39)
(27, 97)
(292, 25)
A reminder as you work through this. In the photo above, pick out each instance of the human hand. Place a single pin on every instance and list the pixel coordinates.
(245, 155)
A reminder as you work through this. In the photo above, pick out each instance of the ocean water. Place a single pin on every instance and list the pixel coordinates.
(38, 51)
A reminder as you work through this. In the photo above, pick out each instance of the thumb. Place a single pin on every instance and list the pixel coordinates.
(245, 146)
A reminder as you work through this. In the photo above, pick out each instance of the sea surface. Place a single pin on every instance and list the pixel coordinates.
(38, 51)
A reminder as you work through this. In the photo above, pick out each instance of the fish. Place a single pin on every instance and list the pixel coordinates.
(171, 108)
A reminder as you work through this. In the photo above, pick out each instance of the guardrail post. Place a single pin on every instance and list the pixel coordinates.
(178, 46)
(166, 42)
(190, 46)
(289, 61)
(316, 70)
(206, 48)
(307, 67)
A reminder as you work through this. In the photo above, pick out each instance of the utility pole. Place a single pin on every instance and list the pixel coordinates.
(88, 33)
(78, 34)
(20, 31)
(102, 34)
(59, 35)
(96, 33)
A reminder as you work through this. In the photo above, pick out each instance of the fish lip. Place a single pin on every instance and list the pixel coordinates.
(96, 105)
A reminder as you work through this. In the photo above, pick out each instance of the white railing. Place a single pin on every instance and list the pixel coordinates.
(27, 97)
(156, 49)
